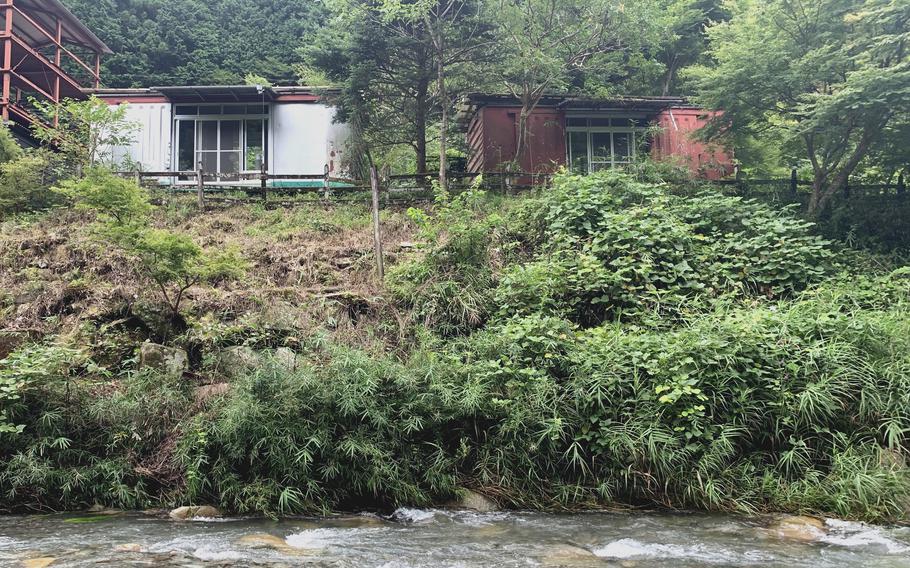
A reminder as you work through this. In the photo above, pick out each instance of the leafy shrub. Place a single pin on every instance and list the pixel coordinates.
(24, 182)
(450, 288)
(20, 371)
(619, 249)
(172, 261)
(119, 201)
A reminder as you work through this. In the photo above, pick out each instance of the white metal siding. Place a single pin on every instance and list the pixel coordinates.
(304, 137)
(152, 141)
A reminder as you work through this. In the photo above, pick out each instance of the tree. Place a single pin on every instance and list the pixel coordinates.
(546, 42)
(832, 74)
(193, 42)
(384, 76)
(457, 35)
(86, 132)
(683, 39)
(170, 260)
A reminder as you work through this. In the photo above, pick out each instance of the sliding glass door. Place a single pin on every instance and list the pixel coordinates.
(226, 146)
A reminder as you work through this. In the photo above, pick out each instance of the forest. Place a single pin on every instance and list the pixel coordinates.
(633, 338)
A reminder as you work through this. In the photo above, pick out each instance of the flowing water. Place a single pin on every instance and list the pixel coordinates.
(431, 538)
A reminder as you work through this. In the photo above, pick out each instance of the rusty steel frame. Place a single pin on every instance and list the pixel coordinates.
(9, 74)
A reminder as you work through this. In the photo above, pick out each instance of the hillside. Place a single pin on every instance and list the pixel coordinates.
(590, 346)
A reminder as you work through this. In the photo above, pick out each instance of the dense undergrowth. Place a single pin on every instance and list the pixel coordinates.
(616, 340)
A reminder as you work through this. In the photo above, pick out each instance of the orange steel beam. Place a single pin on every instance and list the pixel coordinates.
(50, 65)
(28, 82)
(57, 61)
(95, 72)
(7, 56)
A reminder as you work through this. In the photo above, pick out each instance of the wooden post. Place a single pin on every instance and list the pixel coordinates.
(200, 187)
(97, 69)
(384, 180)
(901, 187)
(264, 180)
(326, 186)
(793, 181)
(377, 234)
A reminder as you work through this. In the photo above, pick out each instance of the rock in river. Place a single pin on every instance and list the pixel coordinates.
(798, 527)
(474, 501)
(187, 513)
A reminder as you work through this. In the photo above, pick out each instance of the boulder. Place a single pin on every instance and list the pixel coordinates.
(286, 359)
(169, 361)
(566, 555)
(42, 562)
(269, 541)
(206, 393)
(798, 527)
(194, 512)
(474, 501)
(130, 547)
(236, 361)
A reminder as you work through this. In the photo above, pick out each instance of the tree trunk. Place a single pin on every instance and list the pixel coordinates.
(420, 126)
(444, 125)
(823, 192)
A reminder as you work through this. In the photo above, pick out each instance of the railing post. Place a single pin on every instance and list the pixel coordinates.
(264, 181)
(326, 185)
(384, 180)
(377, 234)
(200, 186)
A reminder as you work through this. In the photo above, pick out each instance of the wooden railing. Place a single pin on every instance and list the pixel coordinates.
(412, 187)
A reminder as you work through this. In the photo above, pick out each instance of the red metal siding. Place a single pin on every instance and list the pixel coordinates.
(493, 136)
(676, 142)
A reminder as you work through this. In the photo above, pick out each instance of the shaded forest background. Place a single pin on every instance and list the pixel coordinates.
(183, 42)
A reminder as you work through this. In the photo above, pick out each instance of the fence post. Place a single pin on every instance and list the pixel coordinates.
(384, 180)
(326, 186)
(793, 181)
(264, 182)
(137, 176)
(200, 186)
(901, 187)
(377, 235)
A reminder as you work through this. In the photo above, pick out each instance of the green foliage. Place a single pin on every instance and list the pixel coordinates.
(450, 289)
(24, 180)
(86, 132)
(619, 249)
(21, 370)
(171, 260)
(175, 263)
(192, 42)
(120, 201)
(831, 77)
(83, 435)
(9, 148)
(349, 429)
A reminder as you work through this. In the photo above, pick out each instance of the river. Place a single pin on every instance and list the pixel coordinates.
(413, 538)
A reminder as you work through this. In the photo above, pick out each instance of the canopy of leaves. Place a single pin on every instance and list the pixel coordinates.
(192, 42)
(833, 75)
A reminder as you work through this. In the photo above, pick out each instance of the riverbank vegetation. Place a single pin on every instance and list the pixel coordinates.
(616, 340)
